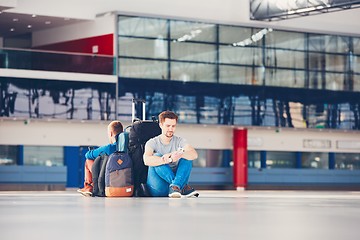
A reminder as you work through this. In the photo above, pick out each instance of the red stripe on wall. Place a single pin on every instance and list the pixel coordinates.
(104, 45)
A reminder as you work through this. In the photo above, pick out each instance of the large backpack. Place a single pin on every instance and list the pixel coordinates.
(140, 132)
(112, 175)
(98, 175)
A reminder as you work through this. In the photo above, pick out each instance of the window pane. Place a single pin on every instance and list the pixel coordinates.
(193, 52)
(193, 72)
(239, 75)
(356, 43)
(212, 158)
(191, 31)
(316, 42)
(356, 64)
(254, 159)
(357, 82)
(334, 62)
(349, 161)
(240, 55)
(145, 48)
(135, 68)
(241, 36)
(335, 81)
(315, 160)
(316, 61)
(281, 160)
(284, 78)
(8, 155)
(43, 155)
(286, 40)
(285, 58)
(142, 27)
(336, 44)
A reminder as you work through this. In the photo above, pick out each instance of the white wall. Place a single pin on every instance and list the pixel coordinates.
(90, 28)
(88, 133)
(235, 12)
(226, 11)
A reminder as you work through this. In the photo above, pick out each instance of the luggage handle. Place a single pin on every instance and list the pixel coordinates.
(134, 101)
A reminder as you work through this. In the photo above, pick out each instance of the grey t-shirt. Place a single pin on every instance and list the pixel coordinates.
(160, 148)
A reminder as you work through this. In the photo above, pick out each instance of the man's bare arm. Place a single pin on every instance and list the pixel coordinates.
(151, 160)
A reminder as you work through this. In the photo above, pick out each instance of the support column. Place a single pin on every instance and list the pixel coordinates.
(240, 158)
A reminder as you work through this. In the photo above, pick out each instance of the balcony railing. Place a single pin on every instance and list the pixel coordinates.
(11, 58)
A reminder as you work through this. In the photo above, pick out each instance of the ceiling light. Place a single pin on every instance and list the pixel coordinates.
(15, 20)
(12, 29)
(47, 22)
(34, 15)
(29, 26)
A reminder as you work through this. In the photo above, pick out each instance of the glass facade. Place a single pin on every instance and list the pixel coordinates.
(280, 159)
(44, 155)
(213, 158)
(209, 74)
(315, 160)
(29, 98)
(9, 155)
(223, 74)
(348, 161)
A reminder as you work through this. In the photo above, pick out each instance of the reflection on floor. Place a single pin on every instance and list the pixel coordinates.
(261, 215)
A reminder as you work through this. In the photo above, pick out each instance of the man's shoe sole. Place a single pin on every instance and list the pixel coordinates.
(175, 195)
(193, 194)
(86, 194)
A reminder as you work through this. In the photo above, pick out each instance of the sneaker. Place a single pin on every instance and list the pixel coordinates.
(86, 191)
(188, 191)
(174, 192)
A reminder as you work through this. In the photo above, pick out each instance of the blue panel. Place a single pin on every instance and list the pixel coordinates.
(33, 174)
(293, 177)
(263, 159)
(298, 160)
(331, 160)
(20, 155)
(212, 176)
(73, 161)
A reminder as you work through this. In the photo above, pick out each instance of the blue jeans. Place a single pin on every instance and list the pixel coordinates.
(161, 177)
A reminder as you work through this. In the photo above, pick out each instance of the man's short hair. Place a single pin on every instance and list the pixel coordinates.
(116, 127)
(167, 114)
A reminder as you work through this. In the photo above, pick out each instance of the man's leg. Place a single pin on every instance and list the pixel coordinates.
(158, 180)
(182, 173)
(88, 172)
(88, 188)
(182, 178)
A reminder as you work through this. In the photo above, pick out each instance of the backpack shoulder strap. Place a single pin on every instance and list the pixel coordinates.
(122, 142)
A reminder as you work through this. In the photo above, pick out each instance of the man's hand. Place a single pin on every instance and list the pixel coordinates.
(176, 155)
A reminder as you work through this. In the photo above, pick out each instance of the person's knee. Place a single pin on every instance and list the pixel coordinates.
(185, 161)
(89, 163)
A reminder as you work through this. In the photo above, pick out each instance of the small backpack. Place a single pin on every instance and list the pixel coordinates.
(118, 173)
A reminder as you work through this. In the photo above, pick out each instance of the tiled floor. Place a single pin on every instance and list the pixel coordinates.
(218, 215)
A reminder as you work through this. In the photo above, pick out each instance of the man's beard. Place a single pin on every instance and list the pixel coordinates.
(169, 134)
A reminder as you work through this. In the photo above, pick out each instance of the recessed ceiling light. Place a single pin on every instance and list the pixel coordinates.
(34, 15)
(47, 22)
(15, 20)
(29, 26)
(12, 29)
